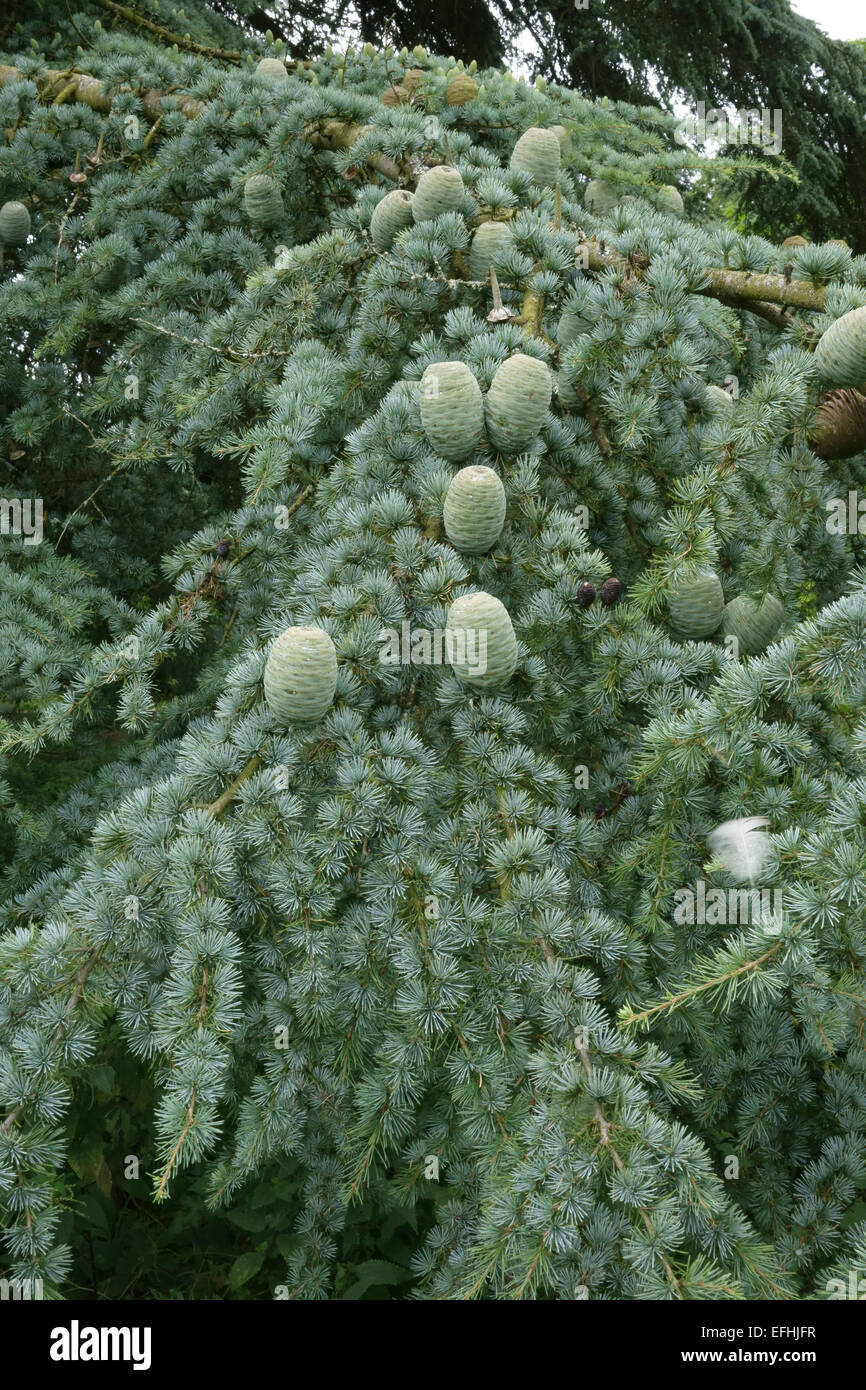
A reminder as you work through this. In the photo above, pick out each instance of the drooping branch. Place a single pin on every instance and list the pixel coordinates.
(130, 16)
(216, 808)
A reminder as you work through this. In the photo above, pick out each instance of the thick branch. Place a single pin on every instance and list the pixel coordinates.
(341, 135)
(745, 286)
(777, 317)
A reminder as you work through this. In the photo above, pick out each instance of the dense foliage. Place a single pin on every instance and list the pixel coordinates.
(397, 1000)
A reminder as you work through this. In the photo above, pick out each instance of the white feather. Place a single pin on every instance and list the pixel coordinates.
(742, 846)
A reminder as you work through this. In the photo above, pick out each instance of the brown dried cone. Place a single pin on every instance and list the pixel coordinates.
(610, 591)
(839, 427)
(412, 79)
(461, 89)
(395, 96)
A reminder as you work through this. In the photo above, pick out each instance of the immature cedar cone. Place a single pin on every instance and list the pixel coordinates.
(841, 353)
(610, 591)
(14, 224)
(460, 90)
(754, 623)
(452, 409)
(263, 200)
(439, 190)
(223, 549)
(474, 509)
(566, 390)
(585, 594)
(696, 605)
(719, 400)
(517, 402)
(488, 244)
(839, 427)
(569, 327)
(538, 153)
(600, 196)
(301, 674)
(671, 199)
(272, 67)
(483, 624)
(390, 216)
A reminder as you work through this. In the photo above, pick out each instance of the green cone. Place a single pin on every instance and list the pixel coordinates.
(841, 354)
(301, 674)
(537, 153)
(439, 190)
(671, 199)
(570, 326)
(489, 242)
(390, 217)
(753, 622)
(517, 402)
(719, 400)
(696, 605)
(481, 624)
(14, 224)
(262, 200)
(272, 67)
(452, 409)
(474, 509)
(600, 196)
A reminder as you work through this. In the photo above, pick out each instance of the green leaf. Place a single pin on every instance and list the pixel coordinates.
(244, 1267)
(853, 1215)
(376, 1272)
(287, 1245)
(102, 1078)
(249, 1220)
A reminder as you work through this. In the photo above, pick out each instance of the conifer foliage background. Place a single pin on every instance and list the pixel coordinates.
(257, 976)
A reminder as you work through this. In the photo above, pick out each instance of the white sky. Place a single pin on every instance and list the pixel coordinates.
(841, 19)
